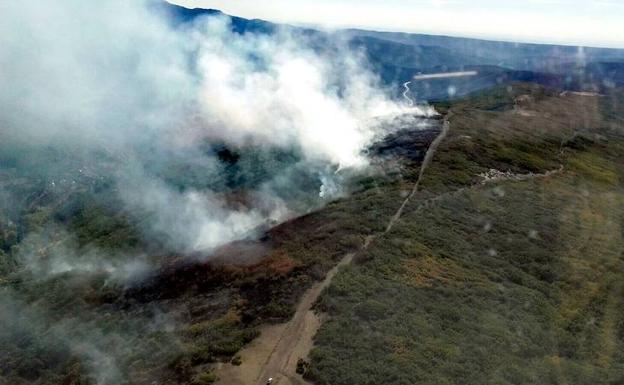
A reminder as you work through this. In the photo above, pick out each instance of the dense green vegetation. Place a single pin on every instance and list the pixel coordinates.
(509, 282)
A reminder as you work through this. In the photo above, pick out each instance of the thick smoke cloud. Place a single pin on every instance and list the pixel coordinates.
(78, 72)
(194, 135)
(273, 90)
(115, 78)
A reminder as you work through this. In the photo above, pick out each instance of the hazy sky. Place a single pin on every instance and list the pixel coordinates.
(579, 22)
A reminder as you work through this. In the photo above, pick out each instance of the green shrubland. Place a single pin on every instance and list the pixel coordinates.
(509, 282)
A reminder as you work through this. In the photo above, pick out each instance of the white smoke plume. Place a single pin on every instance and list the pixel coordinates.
(114, 76)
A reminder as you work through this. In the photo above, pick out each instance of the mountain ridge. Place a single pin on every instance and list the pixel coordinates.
(397, 56)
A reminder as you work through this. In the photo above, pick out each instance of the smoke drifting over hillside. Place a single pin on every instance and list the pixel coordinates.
(124, 140)
(117, 80)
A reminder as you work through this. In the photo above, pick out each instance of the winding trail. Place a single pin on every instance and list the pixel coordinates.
(502, 177)
(275, 353)
(407, 92)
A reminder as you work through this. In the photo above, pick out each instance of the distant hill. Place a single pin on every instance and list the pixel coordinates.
(397, 57)
(181, 15)
(520, 56)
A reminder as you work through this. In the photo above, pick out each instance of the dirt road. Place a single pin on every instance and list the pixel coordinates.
(275, 353)
(277, 364)
(426, 162)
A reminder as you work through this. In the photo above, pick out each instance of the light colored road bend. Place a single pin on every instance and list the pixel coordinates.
(275, 353)
(277, 364)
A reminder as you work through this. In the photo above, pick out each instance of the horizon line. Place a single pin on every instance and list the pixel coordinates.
(384, 29)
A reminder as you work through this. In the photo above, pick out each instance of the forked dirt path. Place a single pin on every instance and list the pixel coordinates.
(274, 354)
